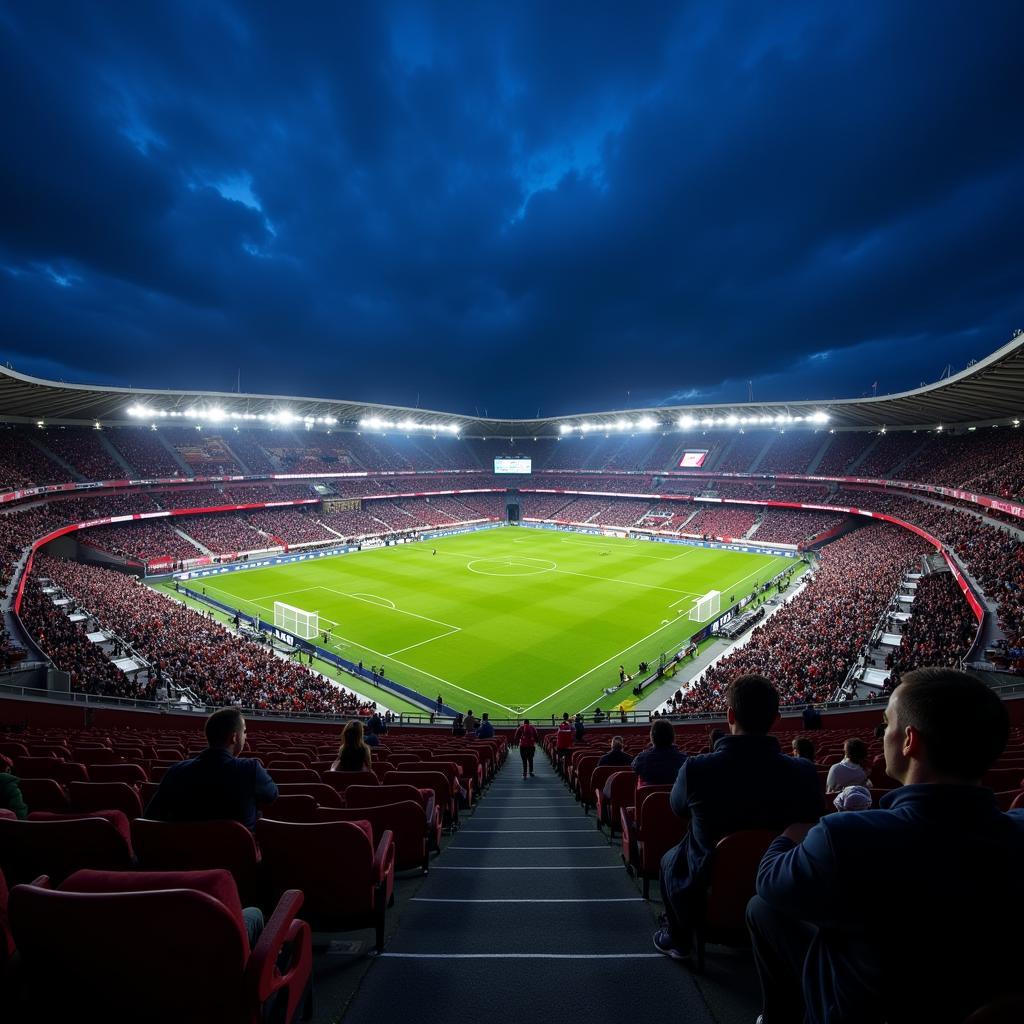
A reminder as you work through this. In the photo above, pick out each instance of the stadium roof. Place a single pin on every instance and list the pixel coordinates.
(988, 392)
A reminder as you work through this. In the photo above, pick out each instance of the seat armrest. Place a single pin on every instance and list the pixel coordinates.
(263, 974)
(384, 858)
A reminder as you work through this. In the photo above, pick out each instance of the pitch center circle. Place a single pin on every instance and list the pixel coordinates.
(516, 566)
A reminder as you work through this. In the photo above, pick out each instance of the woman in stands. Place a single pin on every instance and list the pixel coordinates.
(353, 754)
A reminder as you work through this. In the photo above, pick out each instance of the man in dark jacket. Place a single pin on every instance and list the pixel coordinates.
(615, 756)
(659, 764)
(746, 783)
(910, 912)
(218, 783)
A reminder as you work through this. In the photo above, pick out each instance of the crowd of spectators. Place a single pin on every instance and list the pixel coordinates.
(809, 645)
(793, 452)
(145, 541)
(84, 451)
(145, 452)
(722, 520)
(206, 454)
(22, 464)
(940, 631)
(223, 532)
(190, 648)
(791, 526)
(844, 449)
(254, 457)
(289, 526)
(739, 455)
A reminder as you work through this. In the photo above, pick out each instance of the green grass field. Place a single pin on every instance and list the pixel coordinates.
(511, 621)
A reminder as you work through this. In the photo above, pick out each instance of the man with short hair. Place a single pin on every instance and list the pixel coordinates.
(615, 756)
(485, 731)
(218, 783)
(745, 783)
(803, 747)
(659, 764)
(933, 932)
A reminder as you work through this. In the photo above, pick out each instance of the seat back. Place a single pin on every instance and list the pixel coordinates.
(112, 957)
(44, 795)
(56, 848)
(406, 821)
(330, 861)
(733, 877)
(102, 796)
(36, 767)
(296, 807)
(340, 781)
(323, 794)
(376, 796)
(197, 846)
(288, 775)
(130, 773)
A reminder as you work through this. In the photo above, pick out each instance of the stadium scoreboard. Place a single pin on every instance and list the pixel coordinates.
(342, 504)
(693, 459)
(521, 466)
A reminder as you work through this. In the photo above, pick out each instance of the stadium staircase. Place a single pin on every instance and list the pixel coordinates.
(752, 468)
(531, 912)
(129, 470)
(53, 457)
(812, 466)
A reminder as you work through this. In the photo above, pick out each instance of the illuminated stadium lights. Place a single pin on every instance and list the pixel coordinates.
(376, 423)
(217, 414)
(622, 424)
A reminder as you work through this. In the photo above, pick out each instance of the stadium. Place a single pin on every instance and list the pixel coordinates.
(511, 510)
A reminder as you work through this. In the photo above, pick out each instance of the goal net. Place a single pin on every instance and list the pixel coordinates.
(297, 621)
(707, 606)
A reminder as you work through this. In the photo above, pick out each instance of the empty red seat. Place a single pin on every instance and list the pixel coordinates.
(130, 773)
(649, 830)
(376, 796)
(406, 821)
(621, 787)
(323, 794)
(195, 966)
(346, 883)
(598, 777)
(297, 807)
(101, 796)
(196, 846)
(287, 775)
(434, 780)
(58, 847)
(44, 795)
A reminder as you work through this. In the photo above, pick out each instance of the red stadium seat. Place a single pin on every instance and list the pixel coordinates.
(102, 796)
(44, 795)
(99, 927)
(346, 883)
(130, 773)
(731, 885)
(56, 848)
(199, 846)
(376, 796)
(405, 820)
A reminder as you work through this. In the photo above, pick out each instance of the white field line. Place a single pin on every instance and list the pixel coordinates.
(763, 568)
(429, 640)
(617, 654)
(634, 554)
(414, 668)
(376, 599)
(392, 608)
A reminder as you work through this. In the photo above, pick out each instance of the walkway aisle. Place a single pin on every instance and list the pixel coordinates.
(527, 912)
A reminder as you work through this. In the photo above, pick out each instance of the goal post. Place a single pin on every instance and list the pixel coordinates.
(707, 607)
(297, 621)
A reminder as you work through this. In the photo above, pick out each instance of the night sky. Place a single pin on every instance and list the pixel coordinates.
(511, 206)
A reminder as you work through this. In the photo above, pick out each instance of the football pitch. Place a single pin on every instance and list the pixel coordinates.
(513, 621)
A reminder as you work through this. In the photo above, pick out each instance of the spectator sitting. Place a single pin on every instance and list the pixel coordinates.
(659, 764)
(803, 747)
(615, 756)
(218, 783)
(716, 735)
(10, 795)
(485, 731)
(458, 725)
(746, 783)
(471, 723)
(353, 754)
(826, 941)
(599, 715)
(853, 798)
(850, 771)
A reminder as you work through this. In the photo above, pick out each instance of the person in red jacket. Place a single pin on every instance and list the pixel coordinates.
(563, 741)
(526, 739)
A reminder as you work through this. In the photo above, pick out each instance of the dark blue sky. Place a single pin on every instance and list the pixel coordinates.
(510, 206)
